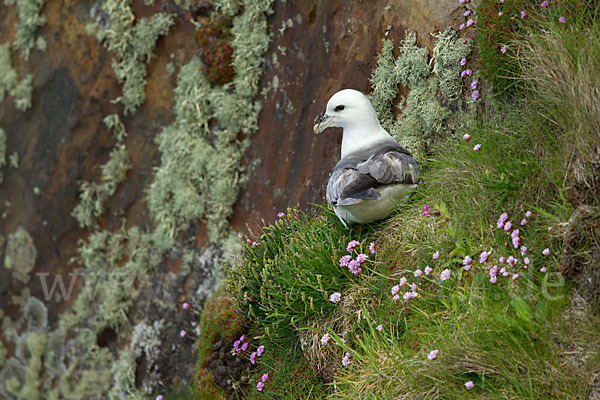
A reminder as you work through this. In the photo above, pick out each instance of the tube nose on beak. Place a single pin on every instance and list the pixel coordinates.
(323, 123)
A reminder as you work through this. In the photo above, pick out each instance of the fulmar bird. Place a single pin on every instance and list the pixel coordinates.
(375, 173)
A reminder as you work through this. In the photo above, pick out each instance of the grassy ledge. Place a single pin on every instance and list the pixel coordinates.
(471, 298)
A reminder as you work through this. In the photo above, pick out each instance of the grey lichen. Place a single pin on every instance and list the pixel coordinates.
(2, 153)
(93, 195)
(36, 315)
(449, 49)
(422, 118)
(20, 254)
(19, 89)
(22, 93)
(30, 19)
(201, 168)
(384, 82)
(8, 76)
(133, 44)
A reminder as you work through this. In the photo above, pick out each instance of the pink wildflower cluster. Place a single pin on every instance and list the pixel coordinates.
(511, 261)
(335, 297)
(261, 384)
(354, 265)
(240, 345)
(251, 242)
(346, 360)
(259, 352)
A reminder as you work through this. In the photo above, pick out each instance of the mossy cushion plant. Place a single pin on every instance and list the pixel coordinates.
(290, 272)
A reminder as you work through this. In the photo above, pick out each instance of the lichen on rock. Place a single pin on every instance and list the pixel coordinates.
(30, 19)
(422, 117)
(133, 44)
(93, 195)
(20, 254)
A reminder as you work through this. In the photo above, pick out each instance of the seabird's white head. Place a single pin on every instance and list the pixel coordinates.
(351, 110)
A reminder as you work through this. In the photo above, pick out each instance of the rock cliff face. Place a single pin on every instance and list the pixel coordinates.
(317, 47)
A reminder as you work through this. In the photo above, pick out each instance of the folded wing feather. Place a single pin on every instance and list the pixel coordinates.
(357, 177)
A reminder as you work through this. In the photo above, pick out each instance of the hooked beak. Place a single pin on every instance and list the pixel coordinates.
(323, 123)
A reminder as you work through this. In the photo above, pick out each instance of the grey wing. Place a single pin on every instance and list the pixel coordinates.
(355, 182)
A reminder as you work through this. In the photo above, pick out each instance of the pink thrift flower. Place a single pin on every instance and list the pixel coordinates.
(503, 49)
(475, 94)
(468, 267)
(236, 345)
(526, 261)
(515, 277)
(503, 218)
(474, 85)
(361, 258)
(260, 350)
(500, 13)
(511, 261)
(403, 281)
(528, 214)
(467, 13)
(335, 297)
(546, 252)
(432, 354)
(545, 4)
(562, 20)
(248, 241)
(462, 1)
(494, 270)
(354, 267)
(254, 244)
(543, 269)
(503, 271)
(413, 286)
(242, 338)
(508, 226)
(185, 306)
(463, 61)
(426, 209)
(379, 328)
(467, 260)
(253, 358)
(351, 245)
(516, 241)
(159, 397)
(346, 360)
(523, 14)
(461, 27)
(325, 339)
(445, 275)
(395, 289)
(428, 270)
(483, 257)
(245, 347)
(523, 250)
(264, 377)
(436, 255)
(477, 147)
(372, 247)
(344, 260)
(280, 215)
(418, 273)
(408, 295)
(523, 222)
(502, 260)
(183, 333)
(260, 386)
(469, 385)
(470, 22)
(396, 297)
(467, 137)
(493, 279)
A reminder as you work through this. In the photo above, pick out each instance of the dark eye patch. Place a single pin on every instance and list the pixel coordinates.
(339, 108)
